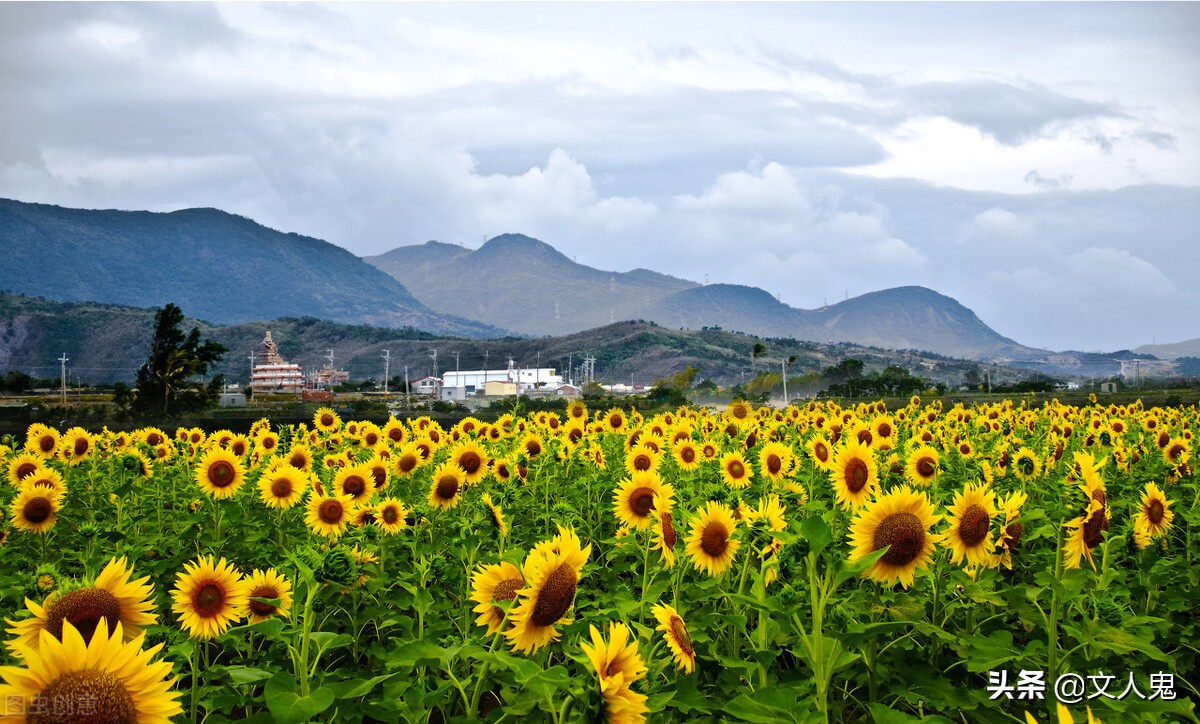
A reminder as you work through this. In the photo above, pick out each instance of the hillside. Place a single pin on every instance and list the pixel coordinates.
(523, 284)
(526, 285)
(216, 266)
(106, 343)
(1187, 348)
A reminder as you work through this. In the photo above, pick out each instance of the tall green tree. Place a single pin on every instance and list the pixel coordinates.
(166, 382)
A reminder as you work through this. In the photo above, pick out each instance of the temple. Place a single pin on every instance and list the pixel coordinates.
(272, 372)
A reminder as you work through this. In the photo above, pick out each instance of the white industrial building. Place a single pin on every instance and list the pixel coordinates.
(460, 384)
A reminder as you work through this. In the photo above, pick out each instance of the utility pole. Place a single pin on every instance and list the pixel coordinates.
(407, 391)
(1137, 366)
(537, 371)
(387, 361)
(252, 358)
(783, 364)
(64, 361)
(570, 369)
(436, 380)
(486, 352)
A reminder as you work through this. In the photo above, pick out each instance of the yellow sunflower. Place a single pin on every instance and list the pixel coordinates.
(614, 420)
(1154, 513)
(104, 679)
(391, 515)
(711, 544)
(898, 520)
(686, 454)
(1176, 452)
(618, 666)
(675, 632)
(395, 431)
(855, 475)
(406, 462)
(496, 514)
(971, 525)
(774, 460)
(76, 445)
(642, 458)
(45, 478)
(921, 467)
(269, 585)
(491, 584)
(281, 487)
(1026, 465)
(220, 473)
(821, 452)
(551, 576)
(35, 509)
(533, 445)
(41, 440)
(735, 471)
(22, 466)
(1010, 534)
(445, 489)
(112, 598)
(471, 458)
(326, 420)
(299, 456)
(638, 496)
(355, 481)
(1085, 533)
(209, 597)
(329, 515)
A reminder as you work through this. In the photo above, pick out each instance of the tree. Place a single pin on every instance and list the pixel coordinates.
(165, 381)
(760, 350)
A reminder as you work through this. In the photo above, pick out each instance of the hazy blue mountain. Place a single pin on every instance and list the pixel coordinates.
(527, 286)
(1187, 348)
(214, 265)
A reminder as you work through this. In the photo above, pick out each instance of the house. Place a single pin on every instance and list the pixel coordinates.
(426, 386)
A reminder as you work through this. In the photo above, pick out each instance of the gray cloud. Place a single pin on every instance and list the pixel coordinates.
(1060, 181)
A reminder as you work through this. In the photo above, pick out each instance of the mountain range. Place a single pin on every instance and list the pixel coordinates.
(227, 269)
(216, 266)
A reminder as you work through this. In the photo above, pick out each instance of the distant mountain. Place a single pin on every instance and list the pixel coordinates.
(214, 265)
(1188, 348)
(106, 343)
(526, 285)
(520, 283)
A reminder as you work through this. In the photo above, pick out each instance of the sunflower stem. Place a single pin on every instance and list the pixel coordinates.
(195, 685)
(1052, 624)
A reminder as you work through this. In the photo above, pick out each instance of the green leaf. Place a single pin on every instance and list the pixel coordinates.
(850, 569)
(885, 715)
(290, 708)
(816, 532)
(243, 675)
(765, 706)
(355, 688)
(689, 698)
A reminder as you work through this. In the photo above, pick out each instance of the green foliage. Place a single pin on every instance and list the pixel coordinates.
(165, 381)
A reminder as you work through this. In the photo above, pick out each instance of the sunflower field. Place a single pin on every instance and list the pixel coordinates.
(991, 563)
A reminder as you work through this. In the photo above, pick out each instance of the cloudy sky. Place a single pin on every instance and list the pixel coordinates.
(1038, 162)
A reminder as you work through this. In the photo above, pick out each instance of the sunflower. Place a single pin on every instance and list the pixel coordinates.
(355, 481)
(735, 471)
(638, 495)
(35, 509)
(22, 466)
(471, 458)
(1010, 534)
(108, 677)
(1086, 532)
(774, 460)
(41, 440)
(390, 515)
(551, 575)
(282, 486)
(220, 473)
(921, 467)
(820, 452)
(112, 598)
(676, 633)
(711, 544)
(394, 430)
(1154, 514)
(76, 445)
(618, 665)
(326, 420)
(686, 454)
(854, 474)
(329, 515)
(209, 597)
(47, 479)
(407, 461)
(497, 515)
(445, 490)
(898, 520)
(642, 458)
(770, 512)
(493, 583)
(614, 420)
(665, 536)
(1026, 465)
(532, 445)
(270, 585)
(1176, 451)
(970, 525)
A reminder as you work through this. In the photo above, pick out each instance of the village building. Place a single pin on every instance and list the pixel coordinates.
(460, 384)
(270, 371)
